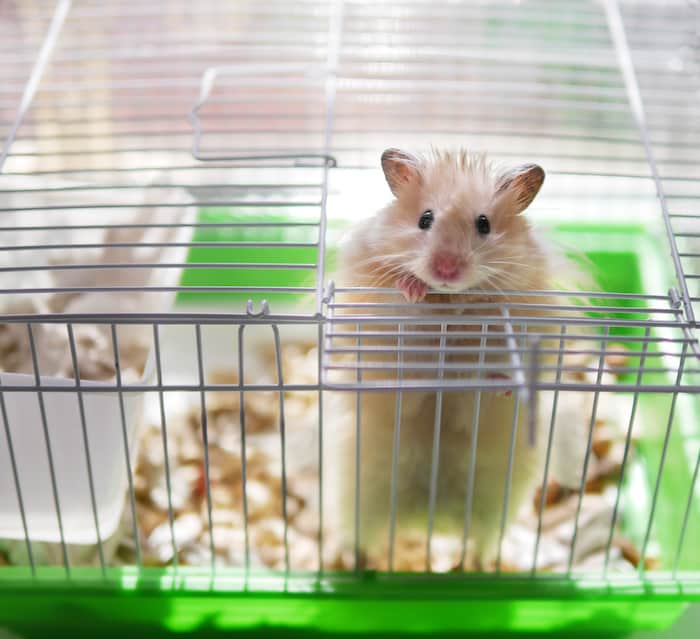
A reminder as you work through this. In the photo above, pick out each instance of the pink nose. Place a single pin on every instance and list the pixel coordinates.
(446, 267)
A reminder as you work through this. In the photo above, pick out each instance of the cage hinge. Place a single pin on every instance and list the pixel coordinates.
(674, 298)
(263, 312)
(328, 292)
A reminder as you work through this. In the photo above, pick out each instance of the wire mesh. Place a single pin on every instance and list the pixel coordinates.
(673, 53)
(460, 324)
(109, 194)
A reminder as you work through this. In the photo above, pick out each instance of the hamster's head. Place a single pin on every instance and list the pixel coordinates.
(455, 223)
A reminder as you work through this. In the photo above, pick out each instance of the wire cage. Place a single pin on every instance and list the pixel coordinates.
(178, 364)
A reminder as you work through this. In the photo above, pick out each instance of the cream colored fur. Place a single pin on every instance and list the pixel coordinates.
(458, 187)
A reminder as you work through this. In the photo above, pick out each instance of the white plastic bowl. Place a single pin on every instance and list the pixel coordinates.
(103, 416)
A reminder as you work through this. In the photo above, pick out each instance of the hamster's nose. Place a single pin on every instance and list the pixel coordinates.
(447, 266)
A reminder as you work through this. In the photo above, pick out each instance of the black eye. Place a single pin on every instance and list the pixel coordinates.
(426, 220)
(482, 225)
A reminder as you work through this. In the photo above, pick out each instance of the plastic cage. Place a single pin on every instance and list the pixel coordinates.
(160, 258)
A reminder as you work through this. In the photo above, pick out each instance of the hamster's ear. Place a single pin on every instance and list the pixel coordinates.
(400, 168)
(520, 186)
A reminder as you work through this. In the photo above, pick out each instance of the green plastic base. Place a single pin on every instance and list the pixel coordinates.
(157, 601)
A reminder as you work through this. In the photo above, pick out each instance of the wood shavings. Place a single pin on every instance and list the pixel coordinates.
(554, 493)
(149, 517)
(223, 401)
(186, 529)
(263, 484)
(93, 346)
(619, 356)
(264, 492)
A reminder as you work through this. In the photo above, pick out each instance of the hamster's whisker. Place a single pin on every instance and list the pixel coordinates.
(383, 259)
(489, 279)
(390, 268)
(512, 281)
(491, 284)
(486, 255)
(389, 274)
(507, 278)
(522, 265)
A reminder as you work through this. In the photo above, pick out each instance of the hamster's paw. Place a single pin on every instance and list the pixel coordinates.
(504, 392)
(413, 289)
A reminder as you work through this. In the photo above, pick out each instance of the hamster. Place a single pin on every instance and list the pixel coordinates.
(455, 224)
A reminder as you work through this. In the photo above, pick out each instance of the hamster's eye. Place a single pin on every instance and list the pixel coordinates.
(483, 225)
(426, 220)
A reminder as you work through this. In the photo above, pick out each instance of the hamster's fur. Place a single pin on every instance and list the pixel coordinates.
(397, 248)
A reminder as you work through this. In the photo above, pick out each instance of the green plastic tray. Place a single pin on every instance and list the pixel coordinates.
(153, 602)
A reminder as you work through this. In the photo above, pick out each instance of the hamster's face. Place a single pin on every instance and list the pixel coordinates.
(457, 226)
